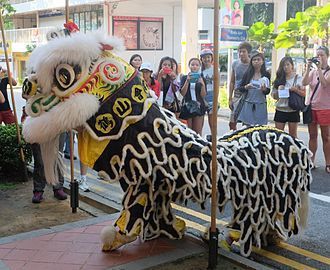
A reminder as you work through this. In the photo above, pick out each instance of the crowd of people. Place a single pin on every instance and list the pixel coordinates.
(190, 97)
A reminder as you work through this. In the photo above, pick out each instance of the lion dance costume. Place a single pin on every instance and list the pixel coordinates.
(78, 80)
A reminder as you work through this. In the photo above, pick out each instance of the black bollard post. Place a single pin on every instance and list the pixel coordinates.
(74, 195)
(213, 249)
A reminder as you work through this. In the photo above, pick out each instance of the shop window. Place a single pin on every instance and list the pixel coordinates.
(88, 20)
(139, 33)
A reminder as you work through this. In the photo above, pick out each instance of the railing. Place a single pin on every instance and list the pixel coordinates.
(14, 2)
(28, 35)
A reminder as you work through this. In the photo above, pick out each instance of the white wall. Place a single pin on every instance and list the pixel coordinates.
(171, 16)
(206, 19)
(56, 21)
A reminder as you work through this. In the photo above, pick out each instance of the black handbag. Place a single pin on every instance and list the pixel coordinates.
(307, 114)
(307, 111)
(190, 109)
(296, 101)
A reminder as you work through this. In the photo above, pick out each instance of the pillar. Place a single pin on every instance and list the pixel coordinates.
(280, 12)
(189, 36)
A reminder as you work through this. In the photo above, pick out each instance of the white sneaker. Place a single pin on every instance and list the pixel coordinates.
(83, 184)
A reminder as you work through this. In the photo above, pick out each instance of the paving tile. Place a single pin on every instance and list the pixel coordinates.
(15, 265)
(74, 258)
(65, 237)
(20, 255)
(9, 245)
(47, 256)
(100, 259)
(57, 246)
(81, 247)
(94, 229)
(32, 244)
(45, 237)
(88, 238)
(93, 267)
(49, 266)
(62, 266)
(77, 230)
(4, 252)
(38, 266)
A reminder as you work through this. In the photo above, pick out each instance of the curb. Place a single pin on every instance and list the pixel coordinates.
(106, 205)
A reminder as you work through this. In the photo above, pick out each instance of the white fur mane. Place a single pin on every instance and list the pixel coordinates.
(79, 48)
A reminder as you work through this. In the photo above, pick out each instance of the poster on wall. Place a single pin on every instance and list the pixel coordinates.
(139, 33)
(126, 30)
(231, 12)
(151, 33)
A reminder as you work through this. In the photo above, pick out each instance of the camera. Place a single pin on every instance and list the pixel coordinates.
(315, 60)
(167, 70)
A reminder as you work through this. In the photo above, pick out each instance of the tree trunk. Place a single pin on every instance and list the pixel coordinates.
(305, 45)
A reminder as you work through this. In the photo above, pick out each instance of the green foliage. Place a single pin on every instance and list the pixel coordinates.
(7, 11)
(30, 47)
(223, 97)
(7, 186)
(310, 24)
(263, 34)
(10, 161)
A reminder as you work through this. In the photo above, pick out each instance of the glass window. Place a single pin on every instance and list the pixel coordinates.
(82, 22)
(76, 18)
(88, 22)
(99, 18)
(94, 20)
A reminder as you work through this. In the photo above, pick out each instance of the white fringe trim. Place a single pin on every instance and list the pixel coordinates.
(66, 115)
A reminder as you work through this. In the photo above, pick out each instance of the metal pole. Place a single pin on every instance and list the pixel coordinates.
(213, 243)
(74, 186)
(19, 139)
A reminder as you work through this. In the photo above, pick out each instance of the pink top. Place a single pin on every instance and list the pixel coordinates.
(321, 99)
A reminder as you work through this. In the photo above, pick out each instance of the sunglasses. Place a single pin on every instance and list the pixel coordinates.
(324, 48)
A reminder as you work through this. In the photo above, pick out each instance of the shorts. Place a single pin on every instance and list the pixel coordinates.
(235, 101)
(321, 117)
(284, 117)
(7, 117)
(209, 108)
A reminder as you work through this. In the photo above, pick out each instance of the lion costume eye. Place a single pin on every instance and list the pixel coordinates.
(65, 76)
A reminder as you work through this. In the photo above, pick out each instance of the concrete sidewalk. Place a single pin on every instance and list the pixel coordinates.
(77, 246)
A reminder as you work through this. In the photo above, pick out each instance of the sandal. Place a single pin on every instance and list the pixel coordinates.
(327, 168)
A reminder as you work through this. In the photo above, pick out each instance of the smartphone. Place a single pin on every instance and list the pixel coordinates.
(194, 76)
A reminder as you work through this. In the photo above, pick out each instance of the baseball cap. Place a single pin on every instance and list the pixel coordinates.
(146, 66)
(206, 52)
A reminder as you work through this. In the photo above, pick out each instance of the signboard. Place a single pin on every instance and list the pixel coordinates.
(236, 35)
(231, 12)
(207, 46)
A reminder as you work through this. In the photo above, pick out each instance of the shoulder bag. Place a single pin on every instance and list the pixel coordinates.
(296, 101)
(174, 106)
